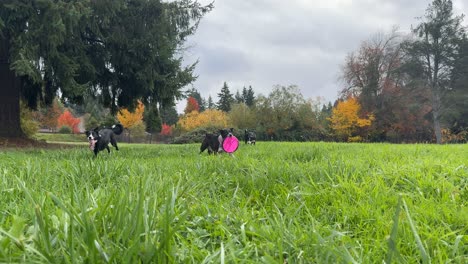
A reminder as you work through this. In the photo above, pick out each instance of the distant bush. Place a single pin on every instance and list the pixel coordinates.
(166, 130)
(197, 135)
(28, 125)
(90, 122)
(67, 119)
(138, 130)
(355, 139)
(134, 134)
(450, 137)
(194, 136)
(65, 130)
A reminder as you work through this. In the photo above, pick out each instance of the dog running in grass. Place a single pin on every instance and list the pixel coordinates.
(99, 139)
(249, 137)
(214, 142)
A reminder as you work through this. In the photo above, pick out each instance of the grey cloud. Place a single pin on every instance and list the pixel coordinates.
(303, 42)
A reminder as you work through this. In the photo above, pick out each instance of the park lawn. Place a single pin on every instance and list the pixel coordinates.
(270, 203)
(57, 137)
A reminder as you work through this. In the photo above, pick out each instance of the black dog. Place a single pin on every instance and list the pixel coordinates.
(100, 139)
(214, 143)
(249, 137)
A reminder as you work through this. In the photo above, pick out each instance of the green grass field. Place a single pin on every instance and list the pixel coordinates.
(57, 137)
(270, 203)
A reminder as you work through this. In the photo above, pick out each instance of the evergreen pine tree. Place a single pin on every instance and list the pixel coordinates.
(225, 99)
(250, 97)
(100, 48)
(210, 104)
(169, 115)
(152, 119)
(238, 98)
(244, 94)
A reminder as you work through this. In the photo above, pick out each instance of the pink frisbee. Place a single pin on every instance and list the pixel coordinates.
(230, 144)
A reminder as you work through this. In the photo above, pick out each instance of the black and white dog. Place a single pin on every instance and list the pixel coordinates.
(99, 139)
(249, 137)
(214, 142)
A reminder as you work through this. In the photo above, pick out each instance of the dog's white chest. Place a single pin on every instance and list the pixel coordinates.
(92, 144)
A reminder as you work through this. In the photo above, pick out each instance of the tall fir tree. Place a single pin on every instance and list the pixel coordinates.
(169, 115)
(244, 94)
(250, 97)
(238, 98)
(456, 116)
(435, 49)
(93, 47)
(225, 99)
(210, 104)
(152, 119)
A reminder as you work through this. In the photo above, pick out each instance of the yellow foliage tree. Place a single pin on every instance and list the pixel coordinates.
(208, 118)
(130, 119)
(345, 120)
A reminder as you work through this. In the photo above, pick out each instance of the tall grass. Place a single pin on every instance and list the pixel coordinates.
(270, 203)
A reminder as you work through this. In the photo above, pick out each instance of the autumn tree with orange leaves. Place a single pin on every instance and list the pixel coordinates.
(166, 130)
(130, 119)
(67, 119)
(345, 120)
(372, 74)
(192, 105)
(48, 116)
(207, 118)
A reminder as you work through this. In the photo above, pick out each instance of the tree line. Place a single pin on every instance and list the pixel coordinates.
(397, 88)
(415, 85)
(102, 57)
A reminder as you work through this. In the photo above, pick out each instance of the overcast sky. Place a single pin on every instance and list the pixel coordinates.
(263, 43)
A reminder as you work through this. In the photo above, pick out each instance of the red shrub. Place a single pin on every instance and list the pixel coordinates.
(67, 119)
(166, 130)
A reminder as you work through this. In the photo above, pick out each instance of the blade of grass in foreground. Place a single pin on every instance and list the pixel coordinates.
(393, 235)
(43, 235)
(424, 256)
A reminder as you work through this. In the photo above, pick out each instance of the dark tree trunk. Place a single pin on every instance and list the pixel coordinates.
(436, 105)
(9, 94)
